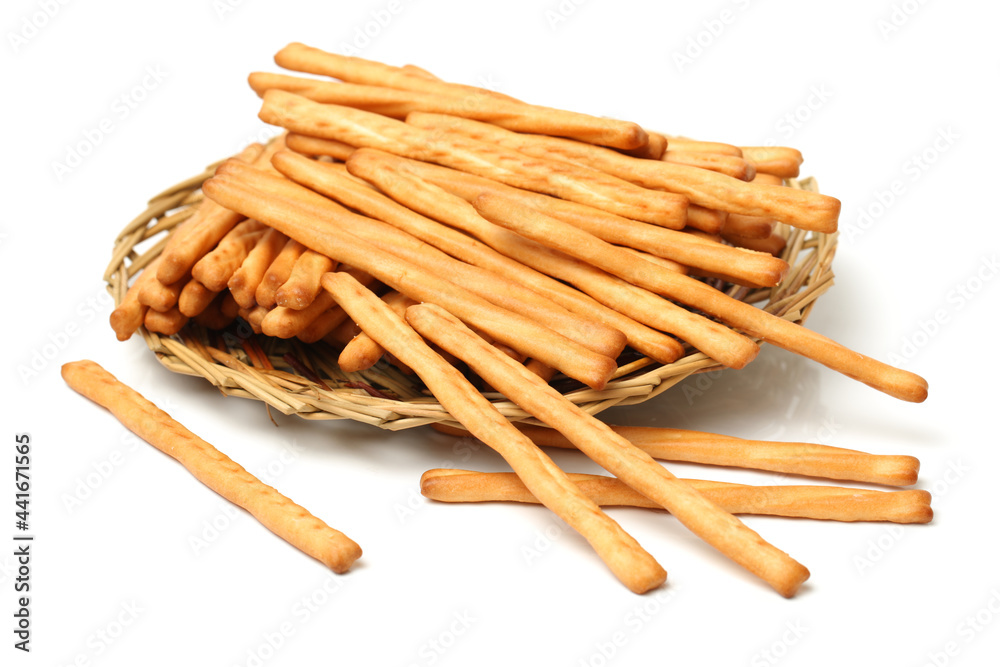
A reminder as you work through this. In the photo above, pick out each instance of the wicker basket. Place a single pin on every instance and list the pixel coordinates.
(305, 379)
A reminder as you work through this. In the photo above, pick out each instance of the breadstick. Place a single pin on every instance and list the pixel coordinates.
(363, 351)
(754, 321)
(277, 273)
(166, 323)
(829, 503)
(303, 285)
(162, 297)
(562, 179)
(794, 458)
(245, 281)
(630, 563)
(747, 226)
(322, 326)
(609, 450)
(213, 223)
(282, 322)
(730, 165)
(301, 58)
(213, 468)
(683, 144)
(213, 316)
(716, 340)
(205, 209)
(129, 314)
(705, 219)
(489, 285)
(414, 70)
(751, 226)
(531, 284)
(194, 298)
(315, 146)
(773, 244)
(313, 322)
(478, 102)
(653, 149)
(532, 339)
(775, 160)
(216, 268)
(799, 208)
(754, 268)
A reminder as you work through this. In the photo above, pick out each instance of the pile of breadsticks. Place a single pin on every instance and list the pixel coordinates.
(442, 226)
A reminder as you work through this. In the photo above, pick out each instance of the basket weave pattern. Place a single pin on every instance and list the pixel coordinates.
(305, 379)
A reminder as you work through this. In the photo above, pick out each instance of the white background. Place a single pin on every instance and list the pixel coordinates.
(498, 584)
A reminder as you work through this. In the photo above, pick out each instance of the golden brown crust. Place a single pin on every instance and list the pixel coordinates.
(213, 468)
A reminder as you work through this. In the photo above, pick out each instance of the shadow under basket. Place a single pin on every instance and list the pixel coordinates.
(306, 381)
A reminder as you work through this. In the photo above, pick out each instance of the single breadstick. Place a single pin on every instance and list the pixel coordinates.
(245, 281)
(800, 208)
(379, 167)
(329, 321)
(213, 316)
(623, 555)
(468, 100)
(363, 351)
(228, 305)
(683, 144)
(831, 503)
(213, 223)
(773, 244)
(573, 359)
(216, 268)
(414, 70)
(301, 58)
(609, 450)
(754, 321)
(794, 458)
(315, 146)
(705, 219)
(129, 314)
(751, 226)
(540, 369)
(213, 468)
(162, 297)
(569, 181)
(747, 226)
(730, 165)
(194, 298)
(581, 326)
(277, 273)
(303, 285)
(166, 323)
(654, 148)
(775, 160)
(254, 316)
(716, 340)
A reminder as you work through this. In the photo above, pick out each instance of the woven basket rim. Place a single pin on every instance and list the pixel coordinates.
(383, 396)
